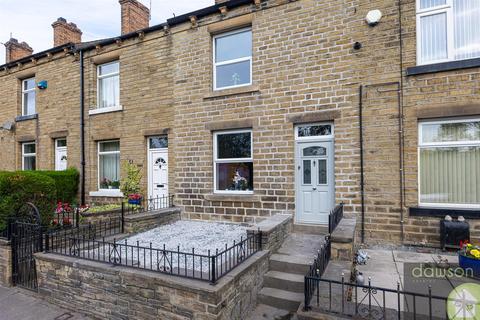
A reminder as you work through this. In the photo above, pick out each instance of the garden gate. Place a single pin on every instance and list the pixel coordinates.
(27, 239)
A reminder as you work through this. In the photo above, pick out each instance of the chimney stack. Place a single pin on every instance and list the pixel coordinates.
(16, 50)
(64, 32)
(135, 16)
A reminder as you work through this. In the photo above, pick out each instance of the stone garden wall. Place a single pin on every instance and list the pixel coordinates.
(105, 292)
(5, 263)
(148, 220)
(274, 231)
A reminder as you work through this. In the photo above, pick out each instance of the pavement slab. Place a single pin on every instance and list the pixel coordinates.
(17, 304)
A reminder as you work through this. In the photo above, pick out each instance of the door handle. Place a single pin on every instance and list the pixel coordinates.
(314, 188)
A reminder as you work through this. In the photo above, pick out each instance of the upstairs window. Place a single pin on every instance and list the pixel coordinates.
(447, 30)
(108, 85)
(449, 168)
(29, 156)
(232, 59)
(28, 97)
(233, 161)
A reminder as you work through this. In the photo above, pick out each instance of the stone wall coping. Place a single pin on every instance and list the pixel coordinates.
(100, 213)
(158, 279)
(271, 223)
(232, 197)
(151, 214)
(4, 242)
(345, 231)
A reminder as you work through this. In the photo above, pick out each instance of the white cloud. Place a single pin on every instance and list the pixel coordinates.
(30, 20)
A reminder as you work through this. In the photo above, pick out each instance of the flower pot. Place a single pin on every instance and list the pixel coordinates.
(135, 201)
(469, 263)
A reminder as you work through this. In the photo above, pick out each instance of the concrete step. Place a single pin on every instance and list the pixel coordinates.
(285, 281)
(310, 229)
(290, 263)
(280, 299)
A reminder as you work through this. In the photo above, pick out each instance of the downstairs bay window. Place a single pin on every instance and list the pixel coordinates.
(449, 163)
(109, 165)
(233, 162)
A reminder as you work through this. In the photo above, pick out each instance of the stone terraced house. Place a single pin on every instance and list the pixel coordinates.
(249, 108)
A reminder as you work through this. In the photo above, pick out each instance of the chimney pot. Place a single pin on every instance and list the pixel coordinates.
(135, 16)
(15, 50)
(64, 32)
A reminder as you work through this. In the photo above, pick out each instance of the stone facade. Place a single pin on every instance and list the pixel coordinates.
(5, 263)
(104, 292)
(306, 69)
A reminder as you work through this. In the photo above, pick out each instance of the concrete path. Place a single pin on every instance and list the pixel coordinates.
(17, 304)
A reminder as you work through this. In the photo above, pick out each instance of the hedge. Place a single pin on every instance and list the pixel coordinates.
(42, 188)
(66, 183)
(17, 188)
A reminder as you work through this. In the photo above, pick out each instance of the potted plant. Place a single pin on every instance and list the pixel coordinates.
(105, 183)
(115, 185)
(135, 198)
(130, 183)
(469, 258)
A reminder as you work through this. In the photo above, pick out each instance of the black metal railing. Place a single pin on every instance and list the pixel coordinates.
(335, 217)
(148, 204)
(317, 269)
(202, 266)
(370, 302)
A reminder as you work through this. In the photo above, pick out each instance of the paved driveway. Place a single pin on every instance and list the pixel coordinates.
(15, 304)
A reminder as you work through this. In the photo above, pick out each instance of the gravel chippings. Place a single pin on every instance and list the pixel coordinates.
(183, 236)
(187, 234)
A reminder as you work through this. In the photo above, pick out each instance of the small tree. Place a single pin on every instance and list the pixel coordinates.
(131, 177)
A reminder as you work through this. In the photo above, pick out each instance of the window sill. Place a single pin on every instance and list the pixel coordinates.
(104, 110)
(232, 197)
(25, 118)
(231, 92)
(443, 66)
(106, 193)
(442, 212)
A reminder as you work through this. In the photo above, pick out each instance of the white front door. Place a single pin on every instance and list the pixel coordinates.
(315, 185)
(60, 154)
(158, 167)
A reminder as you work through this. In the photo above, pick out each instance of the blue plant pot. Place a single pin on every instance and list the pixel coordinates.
(469, 263)
(133, 201)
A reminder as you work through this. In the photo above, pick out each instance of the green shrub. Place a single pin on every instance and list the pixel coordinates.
(66, 183)
(131, 177)
(17, 188)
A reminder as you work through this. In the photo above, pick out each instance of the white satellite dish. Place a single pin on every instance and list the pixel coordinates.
(8, 125)
(373, 17)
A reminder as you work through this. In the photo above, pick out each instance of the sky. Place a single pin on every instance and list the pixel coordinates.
(31, 20)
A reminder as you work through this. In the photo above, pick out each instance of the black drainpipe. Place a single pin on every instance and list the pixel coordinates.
(362, 182)
(82, 132)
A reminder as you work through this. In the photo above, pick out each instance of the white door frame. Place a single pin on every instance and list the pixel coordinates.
(330, 164)
(58, 149)
(149, 163)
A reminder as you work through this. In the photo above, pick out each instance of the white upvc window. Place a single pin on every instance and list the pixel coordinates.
(108, 85)
(447, 30)
(109, 165)
(449, 163)
(28, 97)
(29, 156)
(232, 59)
(233, 161)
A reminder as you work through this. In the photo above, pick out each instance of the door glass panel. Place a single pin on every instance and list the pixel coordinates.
(314, 151)
(61, 143)
(322, 171)
(307, 172)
